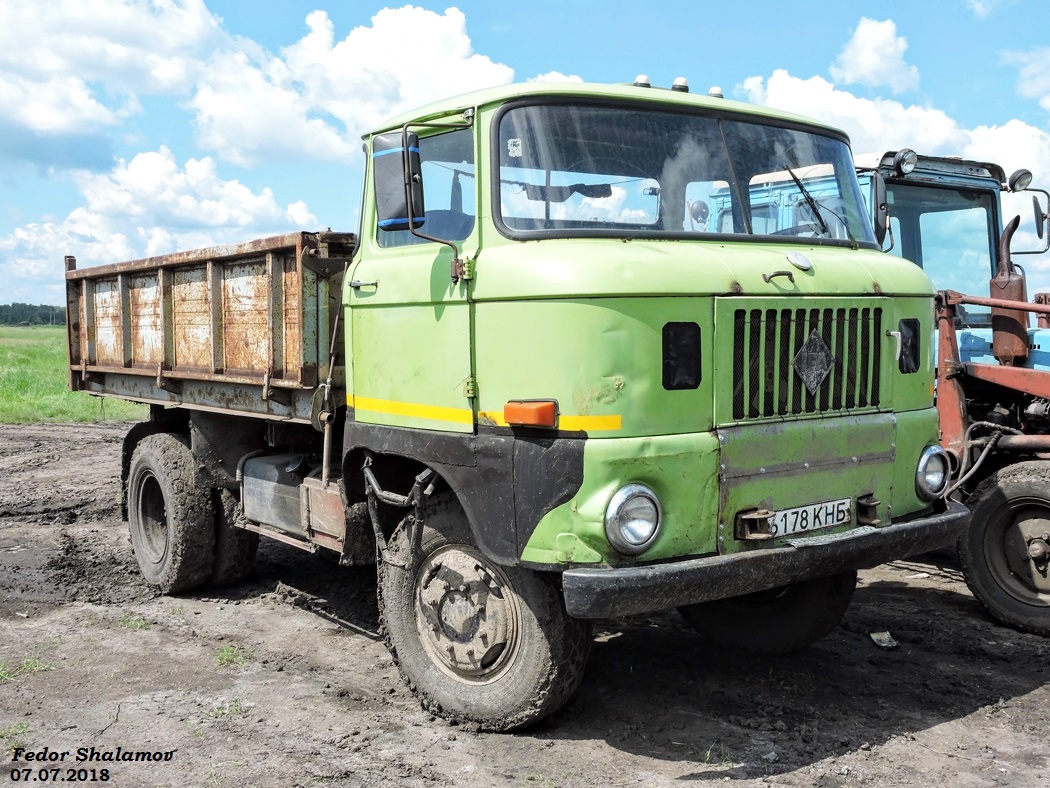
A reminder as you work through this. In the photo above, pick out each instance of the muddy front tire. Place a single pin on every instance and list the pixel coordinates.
(777, 621)
(1006, 546)
(172, 519)
(477, 642)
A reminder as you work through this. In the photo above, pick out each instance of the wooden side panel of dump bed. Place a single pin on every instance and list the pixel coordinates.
(242, 329)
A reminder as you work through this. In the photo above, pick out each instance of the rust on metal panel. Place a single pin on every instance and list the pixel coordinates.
(1044, 300)
(238, 380)
(1032, 443)
(147, 328)
(245, 298)
(108, 332)
(87, 321)
(74, 324)
(214, 284)
(323, 509)
(280, 536)
(1039, 307)
(293, 329)
(123, 285)
(254, 248)
(274, 319)
(1031, 381)
(951, 399)
(208, 395)
(252, 316)
(191, 319)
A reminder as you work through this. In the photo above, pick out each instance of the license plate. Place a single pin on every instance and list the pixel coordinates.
(803, 519)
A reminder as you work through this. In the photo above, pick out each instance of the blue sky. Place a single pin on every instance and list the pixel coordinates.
(130, 128)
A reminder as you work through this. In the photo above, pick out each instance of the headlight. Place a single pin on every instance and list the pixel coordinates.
(933, 473)
(632, 520)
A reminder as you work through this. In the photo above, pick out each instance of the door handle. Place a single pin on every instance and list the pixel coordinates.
(356, 285)
(896, 335)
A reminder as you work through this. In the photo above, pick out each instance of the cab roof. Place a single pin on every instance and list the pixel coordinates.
(584, 90)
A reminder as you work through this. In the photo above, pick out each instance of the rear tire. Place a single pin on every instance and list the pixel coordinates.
(235, 547)
(477, 642)
(1011, 517)
(172, 520)
(777, 621)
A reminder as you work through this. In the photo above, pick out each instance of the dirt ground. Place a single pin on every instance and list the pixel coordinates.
(282, 681)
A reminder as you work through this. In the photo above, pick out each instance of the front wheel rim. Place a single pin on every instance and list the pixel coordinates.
(469, 621)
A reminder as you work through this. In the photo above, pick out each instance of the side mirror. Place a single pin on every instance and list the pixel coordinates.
(398, 177)
(1042, 222)
(880, 207)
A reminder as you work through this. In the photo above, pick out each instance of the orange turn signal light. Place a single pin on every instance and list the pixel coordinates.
(531, 413)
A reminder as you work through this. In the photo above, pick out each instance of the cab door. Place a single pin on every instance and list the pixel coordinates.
(409, 320)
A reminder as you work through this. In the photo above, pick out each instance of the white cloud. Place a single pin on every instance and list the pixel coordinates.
(555, 76)
(55, 55)
(73, 67)
(880, 125)
(57, 104)
(1033, 79)
(873, 124)
(320, 94)
(1013, 145)
(248, 113)
(874, 56)
(144, 207)
(982, 9)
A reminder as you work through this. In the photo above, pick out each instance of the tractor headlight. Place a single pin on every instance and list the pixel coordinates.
(632, 520)
(933, 473)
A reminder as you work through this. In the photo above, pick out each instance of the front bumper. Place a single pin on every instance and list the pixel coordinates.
(592, 592)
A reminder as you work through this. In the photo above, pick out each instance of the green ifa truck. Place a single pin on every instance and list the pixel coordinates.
(546, 382)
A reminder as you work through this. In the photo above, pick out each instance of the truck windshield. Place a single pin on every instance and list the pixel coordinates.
(951, 234)
(629, 171)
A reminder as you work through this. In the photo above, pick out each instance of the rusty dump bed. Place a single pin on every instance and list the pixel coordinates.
(244, 328)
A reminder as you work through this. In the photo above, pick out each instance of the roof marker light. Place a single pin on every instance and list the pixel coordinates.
(642, 81)
(681, 84)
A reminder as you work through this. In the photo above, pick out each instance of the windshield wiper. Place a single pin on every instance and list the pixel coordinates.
(809, 201)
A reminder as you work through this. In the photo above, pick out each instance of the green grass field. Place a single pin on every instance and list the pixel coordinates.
(34, 382)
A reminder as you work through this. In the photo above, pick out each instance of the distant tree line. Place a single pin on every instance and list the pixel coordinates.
(32, 315)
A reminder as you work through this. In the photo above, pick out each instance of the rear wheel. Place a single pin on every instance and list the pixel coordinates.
(1005, 550)
(476, 641)
(172, 519)
(235, 547)
(777, 621)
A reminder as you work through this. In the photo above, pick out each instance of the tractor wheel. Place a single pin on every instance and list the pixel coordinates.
(1005, 550)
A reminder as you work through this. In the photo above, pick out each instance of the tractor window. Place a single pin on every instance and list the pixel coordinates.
(951, 234)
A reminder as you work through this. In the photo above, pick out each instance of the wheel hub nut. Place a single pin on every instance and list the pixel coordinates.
(1039, 550)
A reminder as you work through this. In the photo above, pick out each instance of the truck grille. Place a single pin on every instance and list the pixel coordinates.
(766, 343)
